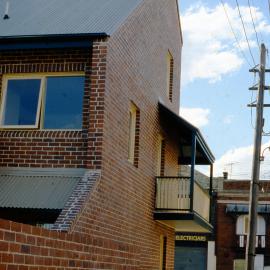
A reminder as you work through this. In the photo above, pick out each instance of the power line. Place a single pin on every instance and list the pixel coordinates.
(254, 24)
(251, 101)
(256, 19)
(240, 15)
(236, 39)
(269, 6)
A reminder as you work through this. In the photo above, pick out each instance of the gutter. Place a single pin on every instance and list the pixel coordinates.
(49, 41)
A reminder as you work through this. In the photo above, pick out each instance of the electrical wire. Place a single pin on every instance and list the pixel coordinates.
(235, 36)
(269, 5)
(254, 27)
(256, 19)
(251, 101)
(240, 15)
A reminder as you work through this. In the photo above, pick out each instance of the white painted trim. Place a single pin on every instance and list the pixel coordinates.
(3, 103)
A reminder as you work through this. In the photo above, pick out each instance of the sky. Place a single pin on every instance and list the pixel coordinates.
(215, 79)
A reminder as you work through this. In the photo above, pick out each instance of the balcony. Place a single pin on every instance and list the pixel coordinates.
(182, 204)
(242, 241)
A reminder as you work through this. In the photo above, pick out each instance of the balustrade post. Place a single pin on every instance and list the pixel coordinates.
(192, 174)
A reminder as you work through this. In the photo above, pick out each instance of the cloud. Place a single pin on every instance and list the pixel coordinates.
(210, 50)
(199, 117)
(238, 163)
(228, 119)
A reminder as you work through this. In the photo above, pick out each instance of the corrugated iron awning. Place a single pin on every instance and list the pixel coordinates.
(37, 188)
(244, 208)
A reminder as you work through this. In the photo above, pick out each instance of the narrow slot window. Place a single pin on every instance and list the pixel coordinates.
(161, 156)
(133, 137)
(169, 76)
(163, 252)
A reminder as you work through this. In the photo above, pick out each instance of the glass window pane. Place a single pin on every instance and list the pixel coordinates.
(64, 99)
(21, 102)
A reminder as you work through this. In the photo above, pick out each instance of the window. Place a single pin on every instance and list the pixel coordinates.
(246, 224)
(161, 156)
(46, 102)
(242, 225)
(169, 76)
(163, 252)
(133, 139)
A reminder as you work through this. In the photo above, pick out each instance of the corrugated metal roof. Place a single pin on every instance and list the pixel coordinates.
(38, 189)
(63, 17)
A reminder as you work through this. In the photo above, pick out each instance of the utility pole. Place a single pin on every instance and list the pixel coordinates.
(254, 185)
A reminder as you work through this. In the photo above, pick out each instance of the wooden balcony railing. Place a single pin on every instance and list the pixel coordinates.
(242, 241)
(173, 193)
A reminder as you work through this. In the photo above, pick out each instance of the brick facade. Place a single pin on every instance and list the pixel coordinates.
(115, 228)
(44, 148)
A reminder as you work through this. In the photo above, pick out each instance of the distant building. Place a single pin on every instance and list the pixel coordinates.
(232, 226)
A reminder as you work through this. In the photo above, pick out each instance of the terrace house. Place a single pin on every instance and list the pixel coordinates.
(90, 138)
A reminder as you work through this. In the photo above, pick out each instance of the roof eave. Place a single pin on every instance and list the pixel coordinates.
(53, 37)
(208, 153)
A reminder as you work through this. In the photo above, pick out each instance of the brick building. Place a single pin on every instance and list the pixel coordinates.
(90, 137)
(232, 225)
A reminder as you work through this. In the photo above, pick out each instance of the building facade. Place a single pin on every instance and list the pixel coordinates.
(90, 137)
(232, 225)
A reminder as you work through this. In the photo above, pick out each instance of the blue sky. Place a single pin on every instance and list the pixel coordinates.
(215, 78)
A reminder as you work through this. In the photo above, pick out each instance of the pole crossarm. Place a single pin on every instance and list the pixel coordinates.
(257, 70)
(256, 86)
(255, 105)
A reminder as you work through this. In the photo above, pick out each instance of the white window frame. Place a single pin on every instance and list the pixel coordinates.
(241, 230)
(39, 123)
(4, 97)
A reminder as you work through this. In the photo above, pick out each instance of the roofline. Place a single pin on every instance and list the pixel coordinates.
(200, 137)
(52, 37)
(180, 27)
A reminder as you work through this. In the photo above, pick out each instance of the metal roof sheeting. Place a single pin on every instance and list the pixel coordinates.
(36, 189)
(63, 17)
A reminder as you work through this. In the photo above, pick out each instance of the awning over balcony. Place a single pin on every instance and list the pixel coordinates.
(187, 134)
(244, 208)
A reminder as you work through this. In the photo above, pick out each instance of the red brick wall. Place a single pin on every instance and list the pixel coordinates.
(39, 148)
(225, 238)
(244, 185)
(44, 148)
(116, 229)
(24, 247)
(121, 208)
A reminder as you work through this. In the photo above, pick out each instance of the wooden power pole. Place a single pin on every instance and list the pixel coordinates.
(255, 178)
